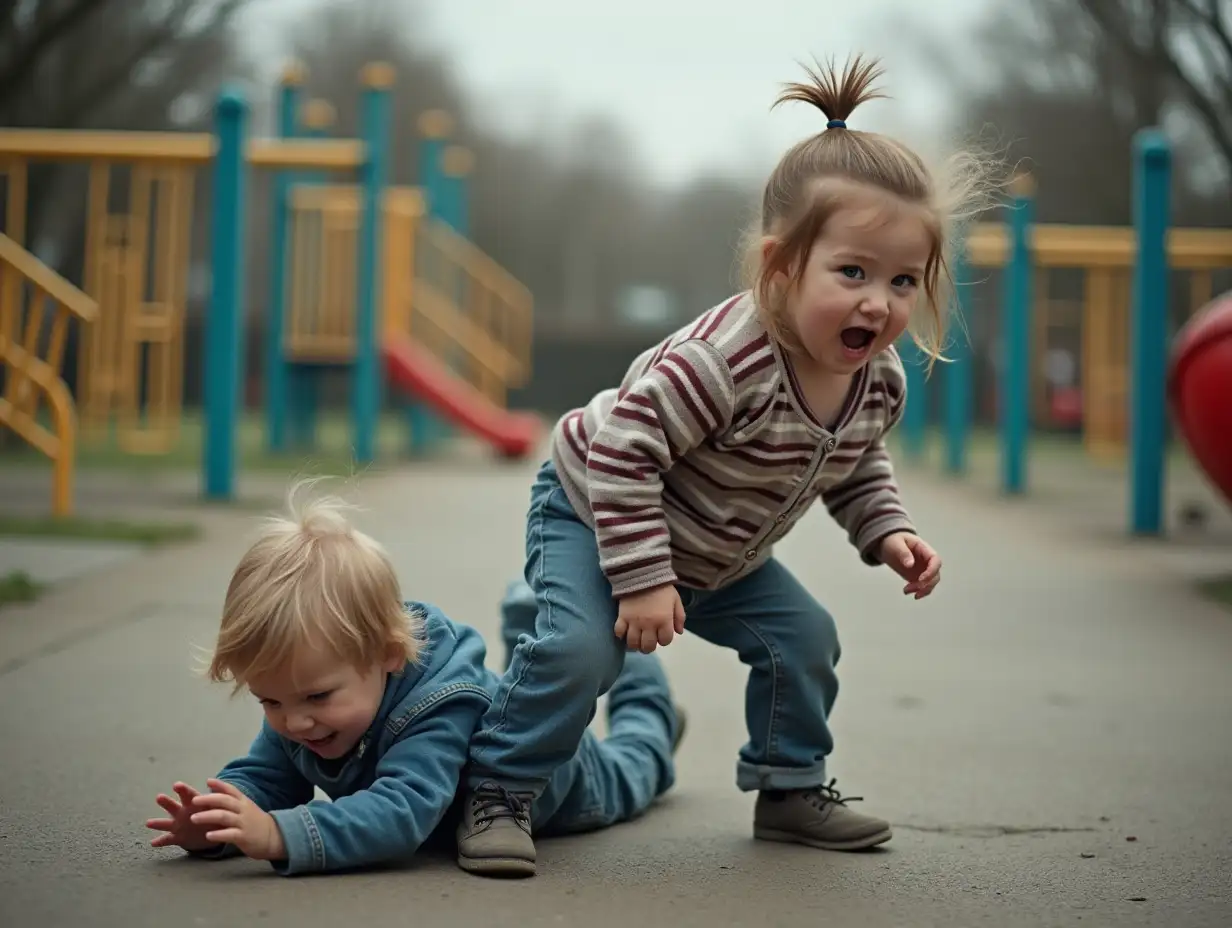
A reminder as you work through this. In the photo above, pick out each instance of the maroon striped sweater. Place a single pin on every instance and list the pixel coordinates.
(707, 454)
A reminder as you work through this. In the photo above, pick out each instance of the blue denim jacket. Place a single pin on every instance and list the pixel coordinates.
(396, 786)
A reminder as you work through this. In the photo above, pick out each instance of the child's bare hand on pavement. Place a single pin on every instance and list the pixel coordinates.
(179, 830)
(233, 818)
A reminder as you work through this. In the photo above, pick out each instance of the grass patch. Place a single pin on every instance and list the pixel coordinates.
(1218, 589)
(331, 456)
(18, 587)
(149, 534)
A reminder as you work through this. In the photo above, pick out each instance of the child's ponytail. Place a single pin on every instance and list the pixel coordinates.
(836, 94)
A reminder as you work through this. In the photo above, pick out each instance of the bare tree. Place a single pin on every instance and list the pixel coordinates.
(572, 215)
(1188, 42)
(115, 64)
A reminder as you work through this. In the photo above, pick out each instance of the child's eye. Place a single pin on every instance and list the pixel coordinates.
(269, 703)
(904, 280)
(318, 697)
(852, 271)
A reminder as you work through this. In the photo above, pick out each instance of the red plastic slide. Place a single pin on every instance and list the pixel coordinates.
(419, 373)
(1199, 384)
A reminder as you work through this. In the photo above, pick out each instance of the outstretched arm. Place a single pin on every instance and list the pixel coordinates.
(867, 503)
(415, 784)
(267, 777)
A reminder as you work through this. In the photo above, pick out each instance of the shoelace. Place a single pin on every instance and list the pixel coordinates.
(492, 801)
(822, 796)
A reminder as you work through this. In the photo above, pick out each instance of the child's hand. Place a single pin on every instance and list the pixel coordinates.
(648, 619)
(180, 830)
(913, 560)
(230, 817)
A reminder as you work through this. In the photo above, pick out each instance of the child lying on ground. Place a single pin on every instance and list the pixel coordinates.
(374, 701)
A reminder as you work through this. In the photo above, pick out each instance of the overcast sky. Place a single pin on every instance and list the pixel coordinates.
(692, 89)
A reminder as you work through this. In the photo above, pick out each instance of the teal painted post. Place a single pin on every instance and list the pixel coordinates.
(431, 152)
(422, 426)
(958, 373)
(276, 367)
(224, 335)
(915, 413)
(1015, 398)
(306, 378)
(453, 186)
(452, 189)
(366, 392)
(1149, 333)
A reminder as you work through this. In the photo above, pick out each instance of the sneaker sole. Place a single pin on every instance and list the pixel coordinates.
(790, 837)
(497, 866)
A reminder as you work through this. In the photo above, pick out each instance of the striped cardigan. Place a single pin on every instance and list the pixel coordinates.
(707, 454)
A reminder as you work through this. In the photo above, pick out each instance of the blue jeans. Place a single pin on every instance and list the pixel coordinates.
(547, 696)
(617, 778)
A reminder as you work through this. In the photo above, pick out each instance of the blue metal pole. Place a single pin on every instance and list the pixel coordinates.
(276, 368)
(915, 414)
(958, 374)
(318, 116)
(435, 126)
(1016, 343)
(1149, 348)
(455, 167)
(224, 336)
(461, 198)
(366, 394)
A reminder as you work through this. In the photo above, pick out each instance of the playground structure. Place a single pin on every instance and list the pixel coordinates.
(1105, 256)
(1124, 330)
(383, 283)
(377, 280)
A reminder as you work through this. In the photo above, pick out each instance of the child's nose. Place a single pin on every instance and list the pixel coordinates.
(298, 723)
(876, 304)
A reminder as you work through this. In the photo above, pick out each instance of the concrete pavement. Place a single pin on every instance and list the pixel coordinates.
(1051, 735)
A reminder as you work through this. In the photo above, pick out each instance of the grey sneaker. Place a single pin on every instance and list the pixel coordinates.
(818, 817)
(494, 834)
(682, 722)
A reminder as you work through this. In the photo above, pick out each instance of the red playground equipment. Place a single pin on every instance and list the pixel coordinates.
(1199, 384)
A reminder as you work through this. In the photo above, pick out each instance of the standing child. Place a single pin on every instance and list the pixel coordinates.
(374, 701)
(663, 497)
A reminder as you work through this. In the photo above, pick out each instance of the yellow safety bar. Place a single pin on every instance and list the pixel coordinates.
(26, 287)
(467, 309)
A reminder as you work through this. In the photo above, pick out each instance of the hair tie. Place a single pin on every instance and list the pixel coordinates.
(836, 124)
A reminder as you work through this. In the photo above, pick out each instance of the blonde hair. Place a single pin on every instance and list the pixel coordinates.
(795, 206)
(311, 579)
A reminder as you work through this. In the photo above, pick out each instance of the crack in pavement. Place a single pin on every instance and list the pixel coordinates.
(995, 831)
(63, 643)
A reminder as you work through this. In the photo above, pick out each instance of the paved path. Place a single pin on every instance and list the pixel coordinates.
(1051, 735)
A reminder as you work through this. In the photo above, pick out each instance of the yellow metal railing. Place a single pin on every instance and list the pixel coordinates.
(32, 353)
(136, 266)
(437, 288)
(468, 310)
(139, 220)
(1105, 256)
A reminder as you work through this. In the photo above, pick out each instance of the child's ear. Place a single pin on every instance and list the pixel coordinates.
(768, 244)
(395, 659)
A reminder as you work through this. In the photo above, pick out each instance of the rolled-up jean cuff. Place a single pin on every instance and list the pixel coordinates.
(751, 777)
(522, 787)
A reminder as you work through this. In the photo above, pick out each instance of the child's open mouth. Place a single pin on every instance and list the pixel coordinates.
(320, 744)
(857, 340)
